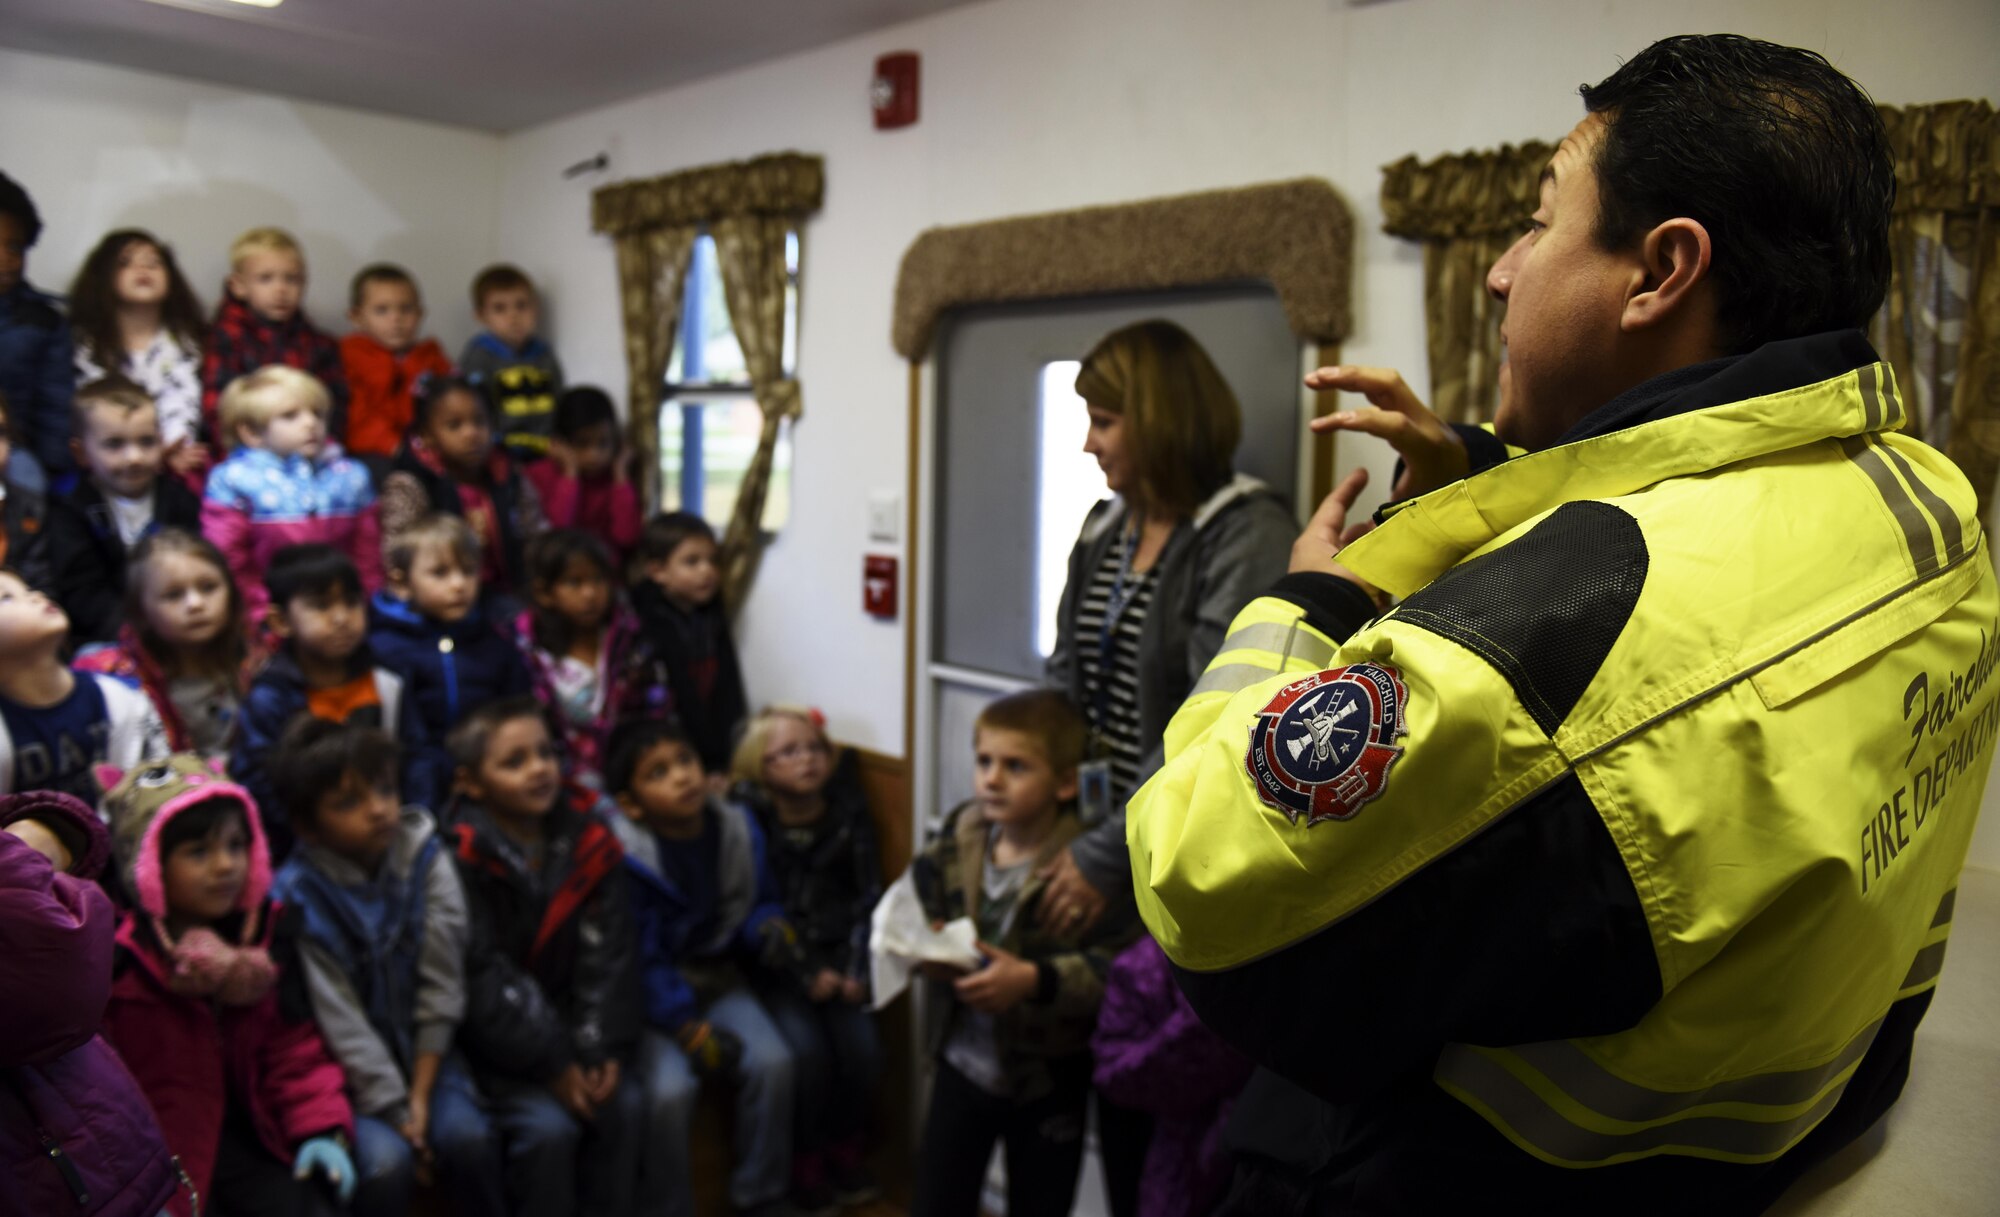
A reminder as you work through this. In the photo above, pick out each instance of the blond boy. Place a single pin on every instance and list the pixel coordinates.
(261, 321)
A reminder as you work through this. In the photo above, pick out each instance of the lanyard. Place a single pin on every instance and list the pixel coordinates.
(1123, 588)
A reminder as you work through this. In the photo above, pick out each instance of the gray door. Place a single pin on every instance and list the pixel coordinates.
(1008, 496)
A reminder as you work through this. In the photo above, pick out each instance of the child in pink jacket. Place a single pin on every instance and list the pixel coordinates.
(286, 483)
(253, 1104)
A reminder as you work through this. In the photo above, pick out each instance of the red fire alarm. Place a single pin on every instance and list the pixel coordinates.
(894, 90)
(878, 586)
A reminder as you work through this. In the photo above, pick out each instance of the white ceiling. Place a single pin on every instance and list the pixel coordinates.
(496, 64)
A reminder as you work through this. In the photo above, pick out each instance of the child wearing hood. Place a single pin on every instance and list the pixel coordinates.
(221, 1041)
(75, 1129)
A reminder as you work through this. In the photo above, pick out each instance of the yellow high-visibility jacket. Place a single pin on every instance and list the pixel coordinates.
(1637, 823)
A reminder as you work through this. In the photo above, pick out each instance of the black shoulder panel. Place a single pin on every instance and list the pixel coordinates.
(1546, 609)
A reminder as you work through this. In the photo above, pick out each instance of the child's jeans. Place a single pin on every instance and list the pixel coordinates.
(465, 1156)
(554, 1165)
(837, 1056)
(764, 1097)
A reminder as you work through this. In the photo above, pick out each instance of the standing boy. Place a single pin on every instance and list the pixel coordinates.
(120, 499)
(552, 1003)
(518, 370)
(55, 724)
(262, 321)
(1012, 1037)
(36, 372)
(384, 953)
(384, 360)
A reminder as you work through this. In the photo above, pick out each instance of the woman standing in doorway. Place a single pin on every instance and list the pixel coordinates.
(1155, 578)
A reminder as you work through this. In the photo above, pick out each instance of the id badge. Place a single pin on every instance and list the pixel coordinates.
(1093, 791)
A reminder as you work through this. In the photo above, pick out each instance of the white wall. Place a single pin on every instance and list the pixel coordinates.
(1033, 105)
(102, 148)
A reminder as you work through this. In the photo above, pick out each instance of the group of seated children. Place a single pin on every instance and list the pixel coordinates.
(428, 856)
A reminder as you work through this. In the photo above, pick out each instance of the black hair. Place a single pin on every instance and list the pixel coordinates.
(196, 821)
(377, 272)
(548, 557)
(1778, 155)
(431, 390)
(310, 570)
(665, 532)
(580, 409)
(631, 743)
(315, 757)
(467, 741)
(15, 202)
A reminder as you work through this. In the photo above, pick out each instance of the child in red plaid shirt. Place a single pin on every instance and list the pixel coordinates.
(261, 321)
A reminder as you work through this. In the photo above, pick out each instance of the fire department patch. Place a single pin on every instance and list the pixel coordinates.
(1323, 746)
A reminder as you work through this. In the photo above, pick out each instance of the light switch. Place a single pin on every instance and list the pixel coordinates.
(885, 516)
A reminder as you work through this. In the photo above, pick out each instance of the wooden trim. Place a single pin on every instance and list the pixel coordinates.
(911, 488)
(885, 780)
(1325, 402)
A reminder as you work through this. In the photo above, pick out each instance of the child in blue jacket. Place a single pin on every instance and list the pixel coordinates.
(322, 668)
(710, 922)
(427, 625)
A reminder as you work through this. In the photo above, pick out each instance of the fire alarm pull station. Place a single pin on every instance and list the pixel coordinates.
(894, 90)
(878, 585)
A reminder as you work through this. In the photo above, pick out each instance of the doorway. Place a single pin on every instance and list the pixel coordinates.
(1009, 485)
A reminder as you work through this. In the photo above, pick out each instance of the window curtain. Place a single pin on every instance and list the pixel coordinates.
(652, 275)
(751, 253)
(1940, 326)
(1466, 209)
(747, 206)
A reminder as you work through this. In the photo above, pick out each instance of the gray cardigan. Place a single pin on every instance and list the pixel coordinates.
(1238, 544)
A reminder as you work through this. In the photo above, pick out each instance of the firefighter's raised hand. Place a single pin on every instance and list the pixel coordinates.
(1433, 454)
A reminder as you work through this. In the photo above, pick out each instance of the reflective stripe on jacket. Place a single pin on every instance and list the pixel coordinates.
(1758, 635)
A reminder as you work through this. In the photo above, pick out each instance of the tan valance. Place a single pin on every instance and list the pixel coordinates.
(781, 184)
(1947, 155)
(1297, 235)
(1467, 194)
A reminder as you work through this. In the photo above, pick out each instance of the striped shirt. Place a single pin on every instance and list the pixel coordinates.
(1118, 675)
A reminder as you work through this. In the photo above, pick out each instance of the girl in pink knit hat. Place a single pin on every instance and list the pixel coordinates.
(252, 1103)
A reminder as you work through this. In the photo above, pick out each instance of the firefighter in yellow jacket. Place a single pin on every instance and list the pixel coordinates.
(1611, 869)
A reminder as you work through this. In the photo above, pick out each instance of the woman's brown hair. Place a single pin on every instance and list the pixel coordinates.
(221, 659)
(1182, 421)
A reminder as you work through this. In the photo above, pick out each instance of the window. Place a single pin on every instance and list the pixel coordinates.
(1070, 484)
(709, 420)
